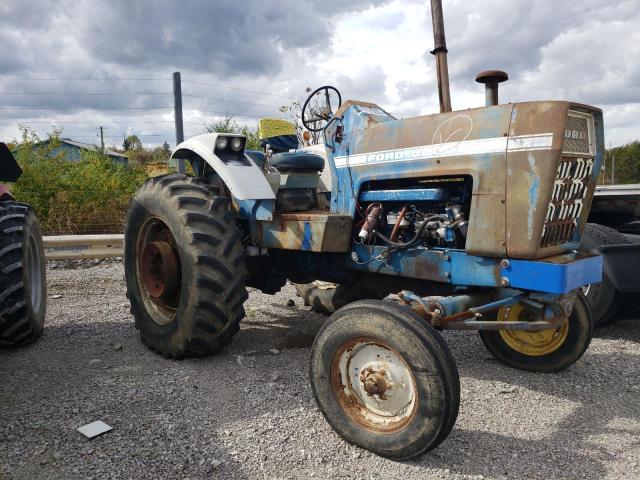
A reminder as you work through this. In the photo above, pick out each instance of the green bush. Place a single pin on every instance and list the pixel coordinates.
(87, 196)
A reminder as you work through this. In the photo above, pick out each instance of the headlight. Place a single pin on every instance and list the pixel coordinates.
(236, 144)
(221, 143)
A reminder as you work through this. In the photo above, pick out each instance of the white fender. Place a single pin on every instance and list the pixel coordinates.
(246, 182)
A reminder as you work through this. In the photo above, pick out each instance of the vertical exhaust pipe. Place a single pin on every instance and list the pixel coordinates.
(440, 51)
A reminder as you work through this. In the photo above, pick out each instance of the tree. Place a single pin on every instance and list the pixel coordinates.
(166, 147)
(293, 113)
(626, 159)
(132, 143)
(229, 125)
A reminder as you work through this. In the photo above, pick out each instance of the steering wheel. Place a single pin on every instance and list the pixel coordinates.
(317, 109)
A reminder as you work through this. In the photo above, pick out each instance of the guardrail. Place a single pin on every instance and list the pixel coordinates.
(73, 247)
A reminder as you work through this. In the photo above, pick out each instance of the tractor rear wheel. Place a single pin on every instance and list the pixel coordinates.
(548, 350)
(184, 266)
(384, 379)
(23, 289)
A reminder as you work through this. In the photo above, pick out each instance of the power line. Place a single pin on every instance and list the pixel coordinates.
(232, 101)
(239, 89)
(86, 93)
(150, 79)
(89, 108)
(105, 79)
(54, 122)
(229, 114)
(113, 136)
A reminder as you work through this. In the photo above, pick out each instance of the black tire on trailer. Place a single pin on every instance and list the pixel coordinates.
(366, 349)
(605, 301)
(184, 266)
(23, 288)
(326, 298)
(546, 351)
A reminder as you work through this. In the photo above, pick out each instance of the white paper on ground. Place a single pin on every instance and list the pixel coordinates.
(94, 429)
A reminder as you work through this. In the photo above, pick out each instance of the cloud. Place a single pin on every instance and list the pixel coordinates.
(373, 50)
(580, 51)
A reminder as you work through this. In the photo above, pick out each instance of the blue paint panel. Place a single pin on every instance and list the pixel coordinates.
(472, 270)
(256, 209)
(245, 207)
(554, 277)
(415, 263)
(264, 210)
(308, 237)
(408, 195)
(558, 275)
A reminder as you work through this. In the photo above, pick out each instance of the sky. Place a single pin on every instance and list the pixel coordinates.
(79, 65)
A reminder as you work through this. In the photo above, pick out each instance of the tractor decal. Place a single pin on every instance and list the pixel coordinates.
(451, 149)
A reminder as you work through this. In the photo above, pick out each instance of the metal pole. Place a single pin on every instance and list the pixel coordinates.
(102, 139)
(177, 112)
(613, 170)
(440, 51)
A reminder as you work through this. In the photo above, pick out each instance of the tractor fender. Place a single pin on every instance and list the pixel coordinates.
(245, 181)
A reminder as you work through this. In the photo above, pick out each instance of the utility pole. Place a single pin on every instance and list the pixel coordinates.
(177, 112)
(101, 139)
(613, 170)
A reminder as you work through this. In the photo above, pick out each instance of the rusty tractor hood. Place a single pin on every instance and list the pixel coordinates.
(534, 167)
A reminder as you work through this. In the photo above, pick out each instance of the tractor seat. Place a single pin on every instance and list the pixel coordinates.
(297, 161)
(281, 138)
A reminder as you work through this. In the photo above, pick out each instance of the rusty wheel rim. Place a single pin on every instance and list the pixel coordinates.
(158, 269)
(374, 385)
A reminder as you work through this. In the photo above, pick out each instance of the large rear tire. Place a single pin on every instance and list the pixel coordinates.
(184, 266)
(384, 379)
(605, 301)
(23, 289)
(546, 350)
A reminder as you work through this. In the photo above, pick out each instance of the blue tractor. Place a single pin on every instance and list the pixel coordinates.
(472, 217)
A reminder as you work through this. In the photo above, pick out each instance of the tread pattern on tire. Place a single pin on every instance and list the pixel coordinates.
(18, 325)
(605, 301)
(445, 363)
(217, 287)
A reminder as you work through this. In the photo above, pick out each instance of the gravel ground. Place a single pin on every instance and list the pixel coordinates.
(248, 412)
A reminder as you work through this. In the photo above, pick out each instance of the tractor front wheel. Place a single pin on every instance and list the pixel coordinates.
(384, 379)
(548, 350)
(184, 266)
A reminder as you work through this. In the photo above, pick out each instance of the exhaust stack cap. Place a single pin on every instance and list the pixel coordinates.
(491, 79)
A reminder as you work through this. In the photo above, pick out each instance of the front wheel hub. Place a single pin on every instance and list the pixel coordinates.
(159, 269)
(374, 385)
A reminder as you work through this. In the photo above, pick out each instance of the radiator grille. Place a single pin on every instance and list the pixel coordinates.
(576, 135)
(569, 190)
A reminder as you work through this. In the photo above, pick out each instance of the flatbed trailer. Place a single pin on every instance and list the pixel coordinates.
(614, 231)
